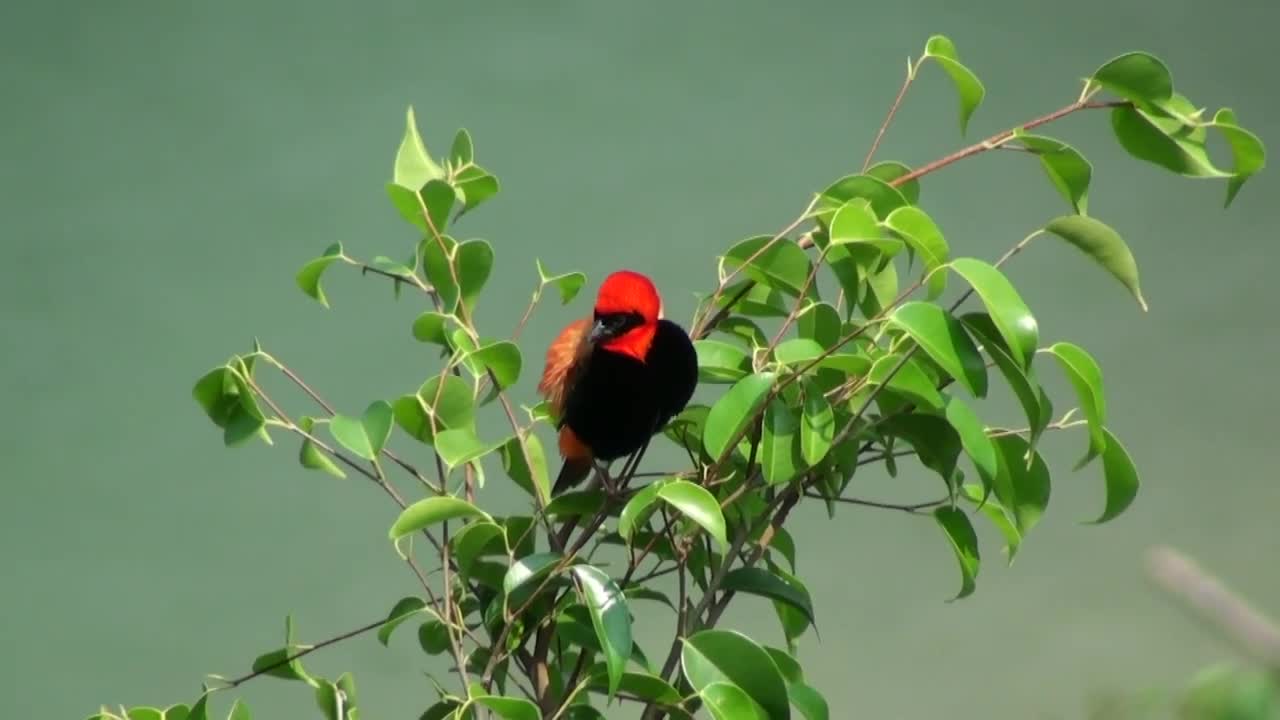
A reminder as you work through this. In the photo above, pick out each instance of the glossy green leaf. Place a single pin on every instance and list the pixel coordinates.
(610, 617)
(742, 328)
(367, 435)
(1010, 314)
(476, 186)
(731, 413)
(1247, 152)
(274, 665)
(526, 575)
(923, 237)
(642, 685)
(974, 439)
(567, 284)
(432, 511)
(718, 656)
(502, 358)
(447, 400)
(910, 381)
(432, 327)
(936, 442)
(964, 542)
(308, 278)
(760, 582)
(721, 362)
(884, 198)
(463, 151)
(638, 509)
(968, 87)
(945, 341)
(782, 266)
(414, 166)
(1164, 141)
(817, 426)
(855, 223)
(460, 446)
(474, 540)
(1086, 379)
(1023, 485)
(442, 710)
(698, 504)
(820, 322)
(474, 262)
(780, 452)
(998, 515)
(1136, 76)
(239, 711)
(726, 701)
(1121, 477)
(891, 171)
(536, 482)
(1021, 379)
(144, 713)
(311, 456)
(1067, 169)
(438, 266)
(509, 708)
(330, 701)
(796, 351)
(406, 608)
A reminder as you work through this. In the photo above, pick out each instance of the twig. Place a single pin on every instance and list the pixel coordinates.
(893, 110)
(237, 682)
(913, 508)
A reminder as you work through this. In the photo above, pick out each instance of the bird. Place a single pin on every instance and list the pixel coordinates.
(614, 379)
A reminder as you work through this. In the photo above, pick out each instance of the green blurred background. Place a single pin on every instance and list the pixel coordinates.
(167, 166)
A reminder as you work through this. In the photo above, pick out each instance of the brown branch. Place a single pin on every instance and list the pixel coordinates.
(888, 118)
(237, 682)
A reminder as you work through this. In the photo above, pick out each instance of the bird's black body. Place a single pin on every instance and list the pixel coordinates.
(616, 403)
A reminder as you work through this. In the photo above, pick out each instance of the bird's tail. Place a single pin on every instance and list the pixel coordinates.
(574, 471)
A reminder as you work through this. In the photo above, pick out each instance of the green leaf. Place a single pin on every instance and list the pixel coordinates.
(999, 516)
(762, 583)
(698, 504)
(463, 150)
(536, 482)
(780, 453)
(474, 262)
(404, 609)
(291, 670)
(922, 235)
(502, 358)
(718, 656)
(933, 438)
(611, 618)
(576, 503)
(1023, 484)
(911, 381)
(817, 426)
(638, 509)
(1247, 152)
(567, 284)
(796, 351)
(855, 223)
(1086, 378)
(974, 439)
(1067, 169)
(642, 685)
(726, 701)
(414, 167)
(1121, 479)
(820, 322)
(721, 362)
(432, 327)
(311, 456)
(1011, 316)
(1022, 380)
(884, 198)
(330, 701)
(525, 576)
(448, 399)
(943, 338)
(239, 711)
(308, 278)
(1136, 76)
(1164, 141)
(783, 266)
(476, 186)
(433, 636)
(731, 413)
(941, 50)
(461, 446)
(438, 265)
(509, 708)
(889, 171)
(432, 511)
(809, 701)
(964, 542)
(475, 540)
(366, 436)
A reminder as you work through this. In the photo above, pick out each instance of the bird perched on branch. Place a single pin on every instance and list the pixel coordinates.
(616, 378)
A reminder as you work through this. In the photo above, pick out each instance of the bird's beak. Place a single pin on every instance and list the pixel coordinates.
(599, 331)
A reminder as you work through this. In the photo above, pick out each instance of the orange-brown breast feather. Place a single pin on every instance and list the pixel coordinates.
(566, 351)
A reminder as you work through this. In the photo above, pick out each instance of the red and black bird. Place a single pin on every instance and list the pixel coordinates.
(616, 378)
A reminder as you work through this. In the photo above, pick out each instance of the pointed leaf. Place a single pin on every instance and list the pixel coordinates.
(308, 278)
(817, 426)
(761, 582)
(910, 381)
(502, 358)
(446, 399)
(964, 542)
(973, 438)
(884, 198)
(432, 327)
(476, 186)
(782, 266)
(1165, 141)
(474, 262)
(1067, 169)
(1022, 380)
(780, 458)
(509, 708)
(1247, 152)
(534, 481)
(476, 540)
(944, 339)
(638, 509)
(721, 362)
(698, 504)
(527, 574)
(461, 446)
(1011, 316)
(968, 87)
(463, 150)
(855, 223)
(311, 456)
(414, 167)
(567, 284)
(642, 685)
(611, 618)
(1121, 479)
(1023, 485)
(1136, 76)
(726, 701)
(923, 236)
(431, 511)
(1086, 378)
(406, 608)
(889, 171)
(719, 656)
(796, 351)
(730, 414)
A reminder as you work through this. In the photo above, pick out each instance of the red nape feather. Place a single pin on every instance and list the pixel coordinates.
(629, 291)
(565, 352)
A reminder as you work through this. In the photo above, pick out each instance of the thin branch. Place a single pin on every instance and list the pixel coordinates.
(893, 110)
(237, 682)
(913, 508)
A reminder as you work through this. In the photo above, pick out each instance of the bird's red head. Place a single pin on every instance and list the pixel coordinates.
(626, 314)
